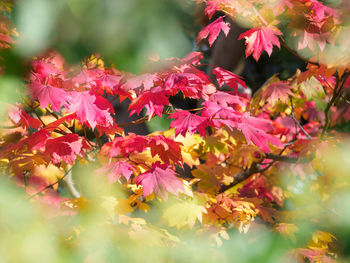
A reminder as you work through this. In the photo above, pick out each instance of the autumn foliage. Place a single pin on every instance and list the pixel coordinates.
(233, 164)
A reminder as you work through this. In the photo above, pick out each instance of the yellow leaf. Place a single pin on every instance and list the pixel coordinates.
(183, 214)
(123, 206)
(311, 88)
(109, 204)
(50, 173)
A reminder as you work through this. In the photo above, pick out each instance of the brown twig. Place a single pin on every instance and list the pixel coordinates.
(336, 92)
(50, 185)
(255, 168)
(284, 44)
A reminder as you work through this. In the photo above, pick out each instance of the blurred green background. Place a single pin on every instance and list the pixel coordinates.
(124, 32)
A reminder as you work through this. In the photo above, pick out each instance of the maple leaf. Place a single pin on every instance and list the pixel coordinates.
(226, 77)
(255, 129)
(142, 82)
(277, 91)
(125, 145)
(86, 78)
(65, 148)
(35, 141)
(213, 29)
(189, 83)
(108, 83)
(186, 121)
(55, 124)
(259, 39)
(44, 69)
(19, 116)
(91, 108)
(160, 180)
(225, 99)
(193, 58)
(311, 88)
(48, 94)
(219, 115)
(165, 148)
(116, 170)
(183, 214)
(49, 173)
(154, 102)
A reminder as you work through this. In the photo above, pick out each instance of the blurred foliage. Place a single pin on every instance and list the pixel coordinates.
(102, 232)
(126, 33)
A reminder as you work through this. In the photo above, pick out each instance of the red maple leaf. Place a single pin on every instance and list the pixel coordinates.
(277, 91)
(116, 170)
(142, 82)
(188, 83)
(34, 141)
(193, 58)
(226, 99)
(86, 78)
(259, 39)
(154, 102)
(160, 180)
(65, 148)
(226, 77)
(53, 125)
(19, 116)
(165, 148)
(255, 129)
(91, 108)
(43, 69)
(125, 145)
(48, 94)
(219, 115)
(108, 83)
(213, 30)
(186, 121)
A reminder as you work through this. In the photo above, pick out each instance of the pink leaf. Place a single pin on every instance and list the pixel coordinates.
(125, 145)
(154, 102)
(167, 149)
(107, 83)
(48, 94)
(142, 82)
(160, 180)
(186, 121)
(213, 30)
(228, 78)
(277, 91)
(91, 108)
(225, 99)
(19, 116)
(116, 170)
(189, 83)
(259, 39)
(255, 129)
(65, 148)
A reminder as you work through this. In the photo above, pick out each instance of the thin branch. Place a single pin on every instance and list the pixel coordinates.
(50, 185)
(336, 92)
(296, 53)
(70, 184)
(37, 115)
(97, 139)
(287, 159)
(255, 168)
(138, 121)
(240, 177)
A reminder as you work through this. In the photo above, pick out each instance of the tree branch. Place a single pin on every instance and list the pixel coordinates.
(70, 184)
(336, 92)
(255, 168)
